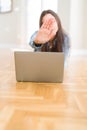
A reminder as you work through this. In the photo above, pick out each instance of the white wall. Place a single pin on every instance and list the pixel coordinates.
(78, 26)
(12, 24)
(85, 25)
(14, 28)
(64, 13)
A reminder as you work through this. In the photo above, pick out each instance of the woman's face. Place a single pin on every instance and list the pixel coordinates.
(48, 17)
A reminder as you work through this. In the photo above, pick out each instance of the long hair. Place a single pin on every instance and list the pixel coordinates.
(59, 35)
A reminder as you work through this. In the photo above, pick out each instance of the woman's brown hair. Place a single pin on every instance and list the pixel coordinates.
(59, 35)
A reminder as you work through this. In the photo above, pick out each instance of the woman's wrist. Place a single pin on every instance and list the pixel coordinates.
(37, 44)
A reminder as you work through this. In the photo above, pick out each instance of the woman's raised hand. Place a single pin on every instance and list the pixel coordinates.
(46, 32)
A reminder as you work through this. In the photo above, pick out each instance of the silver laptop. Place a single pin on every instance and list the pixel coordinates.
(39, 66)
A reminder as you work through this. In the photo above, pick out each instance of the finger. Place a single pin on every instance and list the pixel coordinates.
(47, 24)
(52, 34)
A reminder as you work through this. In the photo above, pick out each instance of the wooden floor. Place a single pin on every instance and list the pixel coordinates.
(43, 106)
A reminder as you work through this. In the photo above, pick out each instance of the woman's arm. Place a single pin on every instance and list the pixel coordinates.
(32, 43)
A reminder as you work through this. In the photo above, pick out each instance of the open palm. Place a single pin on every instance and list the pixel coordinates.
(46, 32)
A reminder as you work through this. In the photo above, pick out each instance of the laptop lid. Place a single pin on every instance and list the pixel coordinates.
(39, 66)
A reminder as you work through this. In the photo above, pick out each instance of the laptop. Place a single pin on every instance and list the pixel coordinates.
(39, 66)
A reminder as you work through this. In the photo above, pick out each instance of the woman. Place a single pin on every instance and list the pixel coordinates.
(51, 36)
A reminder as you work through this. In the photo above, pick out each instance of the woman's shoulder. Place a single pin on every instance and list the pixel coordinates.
(66, 39)
(66, 35)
